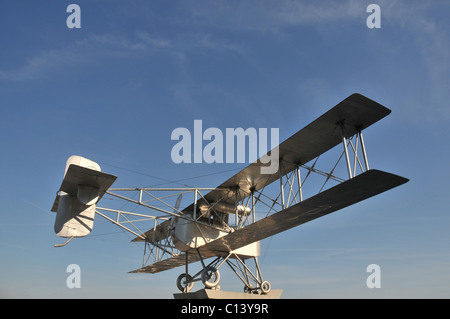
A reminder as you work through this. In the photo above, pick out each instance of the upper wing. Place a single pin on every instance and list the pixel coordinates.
(361, 187)
(356, 113)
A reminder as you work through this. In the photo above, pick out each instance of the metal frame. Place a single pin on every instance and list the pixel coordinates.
(155, 249)
(292, 186)
(195, 230)
(291, 190)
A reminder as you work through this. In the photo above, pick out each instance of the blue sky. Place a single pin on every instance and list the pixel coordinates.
(114, 90)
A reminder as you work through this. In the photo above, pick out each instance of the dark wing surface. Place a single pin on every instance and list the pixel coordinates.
(361, 187)
(356, 113)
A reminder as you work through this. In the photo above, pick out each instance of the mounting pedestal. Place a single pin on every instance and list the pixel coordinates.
(221, 294)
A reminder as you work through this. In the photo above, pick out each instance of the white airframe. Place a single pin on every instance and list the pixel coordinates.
(221, 222)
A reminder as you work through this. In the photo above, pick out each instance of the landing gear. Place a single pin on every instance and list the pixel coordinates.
(210, 275)
(265, 287)
(185, 283)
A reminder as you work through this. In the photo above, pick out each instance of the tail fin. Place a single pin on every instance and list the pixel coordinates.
(82, 187)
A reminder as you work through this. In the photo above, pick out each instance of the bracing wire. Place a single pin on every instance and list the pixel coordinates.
(167, 181)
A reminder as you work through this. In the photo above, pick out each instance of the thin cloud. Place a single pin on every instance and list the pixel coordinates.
(77, 53)
(430, 38)
(307, 12)
(275, 14)
(96, 47)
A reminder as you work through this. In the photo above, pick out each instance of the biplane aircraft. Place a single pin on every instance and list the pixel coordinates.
(220, 224)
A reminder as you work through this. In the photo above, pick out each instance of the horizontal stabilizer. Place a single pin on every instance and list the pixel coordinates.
(81, 176)
(81, 182)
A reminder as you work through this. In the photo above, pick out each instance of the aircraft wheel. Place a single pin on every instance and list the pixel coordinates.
(210, 277)
(265, 287)
(184, 282)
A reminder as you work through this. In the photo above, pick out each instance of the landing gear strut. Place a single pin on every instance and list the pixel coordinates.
(210, 275)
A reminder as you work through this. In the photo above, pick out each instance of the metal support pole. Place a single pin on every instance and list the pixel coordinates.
(246, 268)
(363, 148)
(236, 212)
(145, 251)
(201, 259)
(259, 274)
(223, 261)
(237, 274)
(344, 142)
(281, 186)
(299, 179)
(253, 206)
(246, 274)
(195, 204)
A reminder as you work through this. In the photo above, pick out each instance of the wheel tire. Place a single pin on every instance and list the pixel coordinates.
(210, 277)
(185, 283)
(265, 287)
